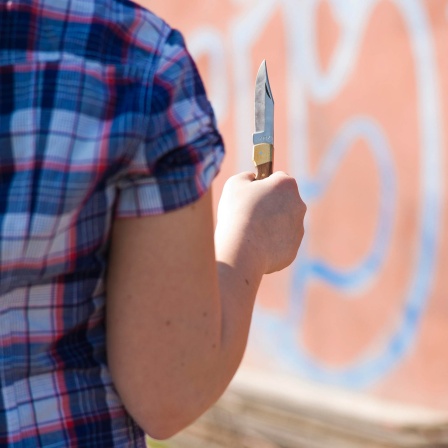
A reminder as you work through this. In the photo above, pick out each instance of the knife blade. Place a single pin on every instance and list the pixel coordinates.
(263, 137)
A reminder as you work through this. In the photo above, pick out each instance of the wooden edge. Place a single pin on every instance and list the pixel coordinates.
(289, 391)
(267, 410)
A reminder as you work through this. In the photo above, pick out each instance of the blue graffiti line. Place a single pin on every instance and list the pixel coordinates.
(367, 269)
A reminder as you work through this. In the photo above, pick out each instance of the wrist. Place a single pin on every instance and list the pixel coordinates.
(240, 250)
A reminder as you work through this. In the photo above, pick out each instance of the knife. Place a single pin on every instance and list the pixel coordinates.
(263, 137)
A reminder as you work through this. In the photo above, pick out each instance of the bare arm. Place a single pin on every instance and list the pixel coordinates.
(178, 314)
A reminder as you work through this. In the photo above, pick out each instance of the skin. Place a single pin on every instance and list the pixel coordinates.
(181, 296)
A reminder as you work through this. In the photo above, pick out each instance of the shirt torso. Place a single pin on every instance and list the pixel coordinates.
(83, 140)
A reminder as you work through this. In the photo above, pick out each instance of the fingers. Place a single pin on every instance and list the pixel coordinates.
(249, 176)
(279, 176)
(255, 208)
(245, 176)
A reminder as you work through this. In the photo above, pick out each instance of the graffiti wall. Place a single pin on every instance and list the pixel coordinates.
(361, 96)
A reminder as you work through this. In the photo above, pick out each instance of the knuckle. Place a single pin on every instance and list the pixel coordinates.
(279, 173)
(304, 207)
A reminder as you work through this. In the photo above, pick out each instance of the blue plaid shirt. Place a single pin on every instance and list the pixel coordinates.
(102, 116)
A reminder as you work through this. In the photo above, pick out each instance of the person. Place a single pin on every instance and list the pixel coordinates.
(122, 310)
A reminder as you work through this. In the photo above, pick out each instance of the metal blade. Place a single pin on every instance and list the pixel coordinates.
(264, 108)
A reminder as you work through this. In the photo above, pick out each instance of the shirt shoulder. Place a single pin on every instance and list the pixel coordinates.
(142, 31)
(108, 32)
(124, 33)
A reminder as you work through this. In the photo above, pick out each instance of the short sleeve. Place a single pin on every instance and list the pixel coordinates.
(182, 152)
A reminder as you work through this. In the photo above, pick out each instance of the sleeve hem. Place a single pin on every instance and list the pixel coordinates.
(149, 196)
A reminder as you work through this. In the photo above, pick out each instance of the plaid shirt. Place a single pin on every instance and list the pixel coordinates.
(102, 115)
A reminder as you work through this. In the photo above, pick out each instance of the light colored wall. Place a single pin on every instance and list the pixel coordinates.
(361, 95)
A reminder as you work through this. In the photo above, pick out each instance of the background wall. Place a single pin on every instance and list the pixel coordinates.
(361, 96)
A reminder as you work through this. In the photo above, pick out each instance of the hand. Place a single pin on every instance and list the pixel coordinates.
(265, 217)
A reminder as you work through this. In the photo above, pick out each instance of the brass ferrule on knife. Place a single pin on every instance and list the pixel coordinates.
(263, 158)
(263, 153)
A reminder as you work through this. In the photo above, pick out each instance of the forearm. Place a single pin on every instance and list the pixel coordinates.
(240, 270)
(220, 340)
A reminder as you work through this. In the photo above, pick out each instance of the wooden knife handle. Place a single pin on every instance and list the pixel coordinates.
(264, 170)
(263, 158)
